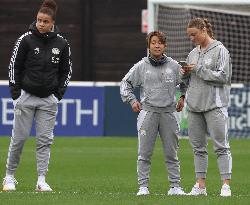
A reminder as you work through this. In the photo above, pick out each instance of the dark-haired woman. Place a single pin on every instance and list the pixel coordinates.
(39, 73)
(157, 77)
(208, 77)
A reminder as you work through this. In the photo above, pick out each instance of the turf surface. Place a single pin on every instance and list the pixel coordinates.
(103, 171)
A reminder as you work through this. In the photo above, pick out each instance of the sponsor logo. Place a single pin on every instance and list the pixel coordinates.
(55, 59)
(36, 50)
(168, 76)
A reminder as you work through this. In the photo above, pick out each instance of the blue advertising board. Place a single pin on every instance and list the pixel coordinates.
(238, 112)
(92, 110)
(120, 120)
(80, 112)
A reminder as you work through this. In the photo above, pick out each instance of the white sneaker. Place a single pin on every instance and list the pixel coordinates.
(196, 190)
(176, 191)
(143, 191)
(42, 186)
(9, 183)
(225, 190)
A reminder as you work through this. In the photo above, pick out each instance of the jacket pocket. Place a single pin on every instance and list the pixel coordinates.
(54, 98)
(18, 99)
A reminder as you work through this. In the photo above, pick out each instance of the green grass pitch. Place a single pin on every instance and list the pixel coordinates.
(102, 171)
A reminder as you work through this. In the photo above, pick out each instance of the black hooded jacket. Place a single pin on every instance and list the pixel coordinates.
(40, 64)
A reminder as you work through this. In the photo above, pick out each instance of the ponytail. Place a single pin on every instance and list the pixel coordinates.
(201, 23)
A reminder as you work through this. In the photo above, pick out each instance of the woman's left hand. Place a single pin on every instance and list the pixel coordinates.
(180, 104)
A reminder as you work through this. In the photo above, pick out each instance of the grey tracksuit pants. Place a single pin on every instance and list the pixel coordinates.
(214, 122)
(26, 109)
(149, 124)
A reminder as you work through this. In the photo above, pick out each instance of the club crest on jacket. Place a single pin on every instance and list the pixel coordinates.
(55, 51)
(36, 50)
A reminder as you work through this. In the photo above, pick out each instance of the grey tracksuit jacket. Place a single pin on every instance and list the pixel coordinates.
(209, 83)
(157, 85)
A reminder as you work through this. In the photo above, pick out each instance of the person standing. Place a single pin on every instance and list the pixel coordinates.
(208, 77)
(157, 77)
(39, 72)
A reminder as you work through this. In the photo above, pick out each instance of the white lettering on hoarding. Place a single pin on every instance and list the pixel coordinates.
(64, 104)
(7, 111)
(80, 112)
(240, 100)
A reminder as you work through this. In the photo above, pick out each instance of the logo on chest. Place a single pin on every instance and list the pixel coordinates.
(36, 51)
(168, 76)
(55, 51)
(208, 61)
(55, 58)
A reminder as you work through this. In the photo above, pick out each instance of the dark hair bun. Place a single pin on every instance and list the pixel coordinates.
(50, 4)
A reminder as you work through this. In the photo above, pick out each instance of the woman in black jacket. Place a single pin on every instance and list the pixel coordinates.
(39, 73)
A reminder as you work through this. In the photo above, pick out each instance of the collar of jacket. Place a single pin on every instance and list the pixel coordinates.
(44, 36)
(215, 43)
(155, 62)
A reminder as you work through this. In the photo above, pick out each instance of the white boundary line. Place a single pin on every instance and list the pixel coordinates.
(103, 84)
(80, 83)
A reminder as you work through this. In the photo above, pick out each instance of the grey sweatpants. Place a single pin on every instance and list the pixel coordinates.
(214, 123)
(26, 109)
(149, 124)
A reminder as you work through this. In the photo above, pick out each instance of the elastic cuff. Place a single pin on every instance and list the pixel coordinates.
(8, 172)
(143, 183)
(225, 176)
(200, 175)
(131, 102)
(196, 69)
(174, 184)
(42, 173)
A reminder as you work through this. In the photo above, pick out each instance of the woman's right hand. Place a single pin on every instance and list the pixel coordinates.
(187, 68)
(136, 106)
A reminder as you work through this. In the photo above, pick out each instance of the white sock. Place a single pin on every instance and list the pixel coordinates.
(41, 178)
